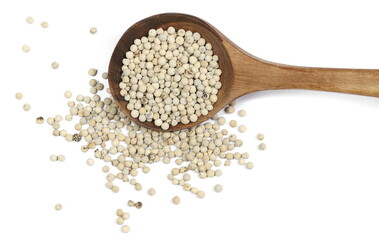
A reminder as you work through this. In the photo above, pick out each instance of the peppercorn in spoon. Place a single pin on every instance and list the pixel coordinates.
(242, 73)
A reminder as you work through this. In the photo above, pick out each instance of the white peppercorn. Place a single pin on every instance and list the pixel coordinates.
(119, 212)
(26, 107)
(26, 48)
(92, 72)
(242, 113)
(29, 20)
(120, 221)
(68, 94)
(53, 157)
(125, 229)
(131, 203)
(262, 146)
(55, 65)
(93, 30)
(61, 158)
(39, 120)
(229, 109)
(260, 136)
(58, 207)
(218, 188)
(90, 162)
(200, 194)
(44, 24)
(249, 165)
(233, 123)
(18, 96)
(242, 128)
(125, 216)
(176, 200)
(151, 191)
(138, 205)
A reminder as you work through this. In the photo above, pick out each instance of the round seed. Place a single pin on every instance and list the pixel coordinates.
(120, 221)
(242, 128)
(262, 146)
(26, 107)
(93, 30)
(138, 205)
(233, 123)
(92, 72)
(68, 94)
(105, 169)
(90, 162)
(151, 191)
(39, 120)
(58, 206)
(55, 65)
(249, 165)
(229, 109)
(233, 103)
(25, 48)
(53, 157)
(242, 113)
(131, 203)
(61, 158)
(200, 194)
(218, 188)
(18, 96)
(104, 75)
(125, 216)
(221, 120)
(186, 177)
(125, 229)
(138, 187)
(176, 200)
(260, 136)
(119, 212)
(44, 24)
(29, 20)
(115, 189)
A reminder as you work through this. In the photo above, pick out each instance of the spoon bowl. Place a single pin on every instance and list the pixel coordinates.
(242, 73)
(178, 21)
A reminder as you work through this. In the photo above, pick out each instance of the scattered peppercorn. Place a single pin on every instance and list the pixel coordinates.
(29, 20)
(76, 137)
(125, 229)
(25, 48)
(58, 206)
(176, 200)
(44, 24)
(55, 65)
(138, 205)
(26, 107)
(93, 30)
(131, 203)
(40, 120)
(262, 146)
(18, 96)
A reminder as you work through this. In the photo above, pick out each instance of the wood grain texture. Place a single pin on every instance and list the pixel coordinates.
(242, 73)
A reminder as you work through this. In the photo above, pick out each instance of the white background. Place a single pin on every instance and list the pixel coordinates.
(318, 178)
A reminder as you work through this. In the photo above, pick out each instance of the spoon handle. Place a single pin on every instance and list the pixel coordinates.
(353, 81)
(253, 74)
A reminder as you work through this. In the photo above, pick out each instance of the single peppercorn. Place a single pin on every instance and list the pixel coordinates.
(131, 203)
(40, 120)
(76, 137)
(138, 205)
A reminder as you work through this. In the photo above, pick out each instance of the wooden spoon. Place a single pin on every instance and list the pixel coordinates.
(242, 73)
